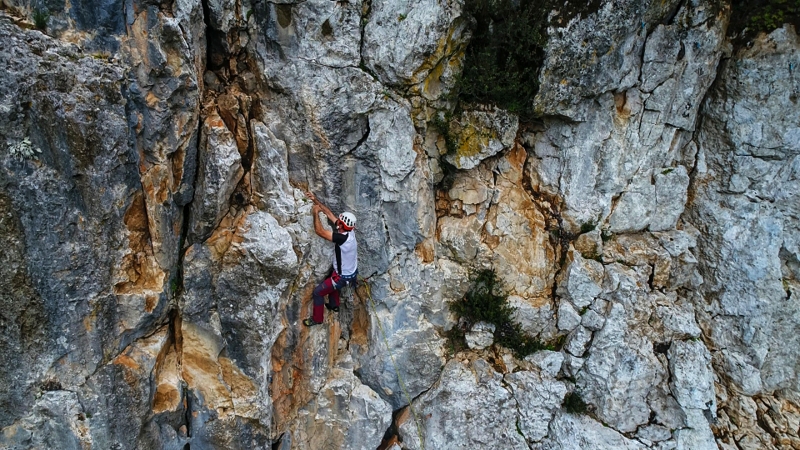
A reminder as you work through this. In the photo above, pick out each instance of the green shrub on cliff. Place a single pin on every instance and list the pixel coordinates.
(573, 403)
(753, 16)
(485, 302)
(40, 18)
(503, 58)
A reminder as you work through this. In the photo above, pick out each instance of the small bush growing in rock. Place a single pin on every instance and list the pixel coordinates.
(750, 17)
(40, 18)
(51, 385)
(485, 302)
(441, 123)
(456, 340)
(574, 404)
(503, 59)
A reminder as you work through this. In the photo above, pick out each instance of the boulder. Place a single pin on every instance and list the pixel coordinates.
(480, 134)
(480, 336)
(219, 171)
(428, 37)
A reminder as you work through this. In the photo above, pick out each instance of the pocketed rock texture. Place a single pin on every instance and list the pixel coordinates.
(159, 254)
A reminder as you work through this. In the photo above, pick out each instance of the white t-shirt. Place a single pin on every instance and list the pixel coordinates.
(346, 250)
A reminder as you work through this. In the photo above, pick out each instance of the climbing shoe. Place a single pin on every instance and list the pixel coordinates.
(332, 308)
(310, 322)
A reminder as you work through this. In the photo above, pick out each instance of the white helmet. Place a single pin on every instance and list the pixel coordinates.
(348, 220)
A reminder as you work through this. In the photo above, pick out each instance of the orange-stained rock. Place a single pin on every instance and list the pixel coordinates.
(139, 359)
(242, 135)
(222, 386)
(243, 390)
(359, 327)
(127, 361)
(639, 250)
(228, 106)
(168, 394)
(516, 230)
(139, 273)
(290, 383)
(200, 367)
(229, 232)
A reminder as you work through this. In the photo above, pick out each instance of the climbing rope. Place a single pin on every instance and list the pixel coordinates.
(394, 364)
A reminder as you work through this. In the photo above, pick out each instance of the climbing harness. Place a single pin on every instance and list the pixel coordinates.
(363, 281)
(344, 281)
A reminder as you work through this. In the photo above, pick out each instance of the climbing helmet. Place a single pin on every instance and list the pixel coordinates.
(348, 220)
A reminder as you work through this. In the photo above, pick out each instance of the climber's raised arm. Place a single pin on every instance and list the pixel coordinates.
(318, 228)
(323, 208)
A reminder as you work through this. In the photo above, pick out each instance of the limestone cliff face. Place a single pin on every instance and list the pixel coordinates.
(159, 255)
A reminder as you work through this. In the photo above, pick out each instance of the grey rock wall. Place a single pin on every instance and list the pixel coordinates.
(159, 253)
(745, 199)
(76, 223)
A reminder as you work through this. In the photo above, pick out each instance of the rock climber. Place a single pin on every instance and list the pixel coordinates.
(344, 260)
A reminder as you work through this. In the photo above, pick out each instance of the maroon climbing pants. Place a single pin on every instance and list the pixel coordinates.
(327, 287)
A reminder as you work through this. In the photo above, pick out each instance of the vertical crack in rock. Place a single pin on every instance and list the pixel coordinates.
(518, 407)
(366, 8)
(169, 391)
(227, 148)
(550, 208)
(363, 138)
(669, 19)
(187, 417)
(399, 417)
(392, 435)
(219, 396)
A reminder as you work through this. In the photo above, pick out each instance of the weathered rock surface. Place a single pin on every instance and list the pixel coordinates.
(745, 200)
(427, 34)
(466, 394)
(159, 254)
(570, 432)
(626, 131)
(538, 396)
(413, 360)
(81, 280)
(344, 414)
